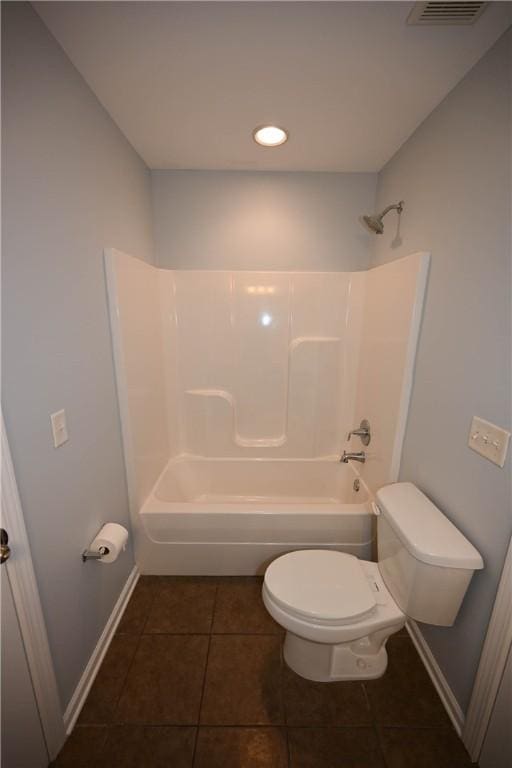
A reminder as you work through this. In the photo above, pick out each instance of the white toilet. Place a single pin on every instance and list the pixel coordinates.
(339, 611)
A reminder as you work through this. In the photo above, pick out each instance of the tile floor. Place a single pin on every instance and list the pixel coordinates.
(194, 678)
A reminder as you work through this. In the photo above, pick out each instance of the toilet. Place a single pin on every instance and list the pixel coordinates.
(339, 611)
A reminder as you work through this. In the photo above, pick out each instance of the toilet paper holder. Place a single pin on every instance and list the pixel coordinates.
(89, 554)
(107, 545)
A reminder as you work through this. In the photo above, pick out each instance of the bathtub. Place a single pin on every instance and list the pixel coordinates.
(233, 516)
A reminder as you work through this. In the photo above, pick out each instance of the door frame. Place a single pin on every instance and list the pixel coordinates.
(498, 642)
(27, 603)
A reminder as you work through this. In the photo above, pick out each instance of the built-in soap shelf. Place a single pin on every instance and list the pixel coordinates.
(274, 441)
(222, 393)
(243, 442)
(313, 340)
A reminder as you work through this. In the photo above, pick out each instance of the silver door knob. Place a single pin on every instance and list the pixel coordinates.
(5, 550)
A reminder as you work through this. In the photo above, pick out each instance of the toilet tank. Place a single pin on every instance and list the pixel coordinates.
(425, 561)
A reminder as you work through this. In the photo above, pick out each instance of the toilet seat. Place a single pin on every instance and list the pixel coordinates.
(323, 586)
(384, 616)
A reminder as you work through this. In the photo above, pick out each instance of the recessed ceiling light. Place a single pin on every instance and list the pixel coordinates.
(270, 135)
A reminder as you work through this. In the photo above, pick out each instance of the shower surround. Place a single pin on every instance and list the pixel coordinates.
(237, 391)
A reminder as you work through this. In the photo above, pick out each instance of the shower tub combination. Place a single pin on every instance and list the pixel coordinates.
(237, 391)
(233, 516)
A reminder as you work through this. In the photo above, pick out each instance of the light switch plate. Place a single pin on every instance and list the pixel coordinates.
(59, 428)
(489, 440)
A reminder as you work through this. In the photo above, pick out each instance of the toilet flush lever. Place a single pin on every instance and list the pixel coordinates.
(363, 431)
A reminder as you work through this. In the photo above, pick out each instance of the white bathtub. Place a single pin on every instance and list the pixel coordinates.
(233, 516)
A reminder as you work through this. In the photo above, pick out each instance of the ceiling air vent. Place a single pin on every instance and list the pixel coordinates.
(446, 13)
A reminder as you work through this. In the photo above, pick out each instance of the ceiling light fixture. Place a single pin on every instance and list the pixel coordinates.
(270, 135)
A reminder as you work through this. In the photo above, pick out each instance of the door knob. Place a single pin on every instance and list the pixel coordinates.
(5, 550)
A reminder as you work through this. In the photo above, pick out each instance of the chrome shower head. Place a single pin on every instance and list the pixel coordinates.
(375, 223)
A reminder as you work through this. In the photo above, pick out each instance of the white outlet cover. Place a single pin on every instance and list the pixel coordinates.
(489, 440)
(59, 428)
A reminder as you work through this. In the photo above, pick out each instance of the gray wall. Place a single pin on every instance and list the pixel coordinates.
(454, 175)
(257, 220)
(71, 185)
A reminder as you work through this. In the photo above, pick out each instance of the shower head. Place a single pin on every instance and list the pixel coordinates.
(375, 223)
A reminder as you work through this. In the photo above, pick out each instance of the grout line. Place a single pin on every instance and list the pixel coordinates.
(196, 739)
(283, 703)
(132, 660)
(153, 591)
(116, 705)
(282, 684)
(214, 608)
(239, 633)
(204, 676)
(375, 726)
(258, 726)
(264, 726)
(331, 727)
(288, 750)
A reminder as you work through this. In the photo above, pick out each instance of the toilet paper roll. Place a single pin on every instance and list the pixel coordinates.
(112, 536)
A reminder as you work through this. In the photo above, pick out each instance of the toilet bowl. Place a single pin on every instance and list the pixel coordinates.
(339, 611)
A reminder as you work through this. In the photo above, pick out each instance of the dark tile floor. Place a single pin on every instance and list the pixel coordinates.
(194, 678)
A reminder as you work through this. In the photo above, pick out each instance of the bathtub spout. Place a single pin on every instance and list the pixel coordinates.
(357, 456)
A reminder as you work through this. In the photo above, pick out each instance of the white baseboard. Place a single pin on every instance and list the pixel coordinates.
(84, 685)
(441, 685)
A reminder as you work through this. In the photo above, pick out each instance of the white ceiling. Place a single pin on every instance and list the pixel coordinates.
(187, 82)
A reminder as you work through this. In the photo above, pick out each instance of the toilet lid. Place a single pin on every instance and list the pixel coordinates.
(319, 583)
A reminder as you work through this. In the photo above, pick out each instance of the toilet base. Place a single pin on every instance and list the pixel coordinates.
(363, 659)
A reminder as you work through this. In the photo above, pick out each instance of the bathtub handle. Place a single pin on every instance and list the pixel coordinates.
(363, 431)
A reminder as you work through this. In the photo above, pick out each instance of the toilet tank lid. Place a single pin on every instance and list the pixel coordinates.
(424, 529)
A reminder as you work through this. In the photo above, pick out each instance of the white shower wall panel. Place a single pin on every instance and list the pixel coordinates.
(392, 316)
(243, 387)
(137, 334)
(260, 334)
(260, 363)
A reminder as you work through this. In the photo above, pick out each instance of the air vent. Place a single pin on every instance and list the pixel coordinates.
(446, 13)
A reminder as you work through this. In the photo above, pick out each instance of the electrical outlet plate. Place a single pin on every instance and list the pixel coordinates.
(59, 428)
(489, 441)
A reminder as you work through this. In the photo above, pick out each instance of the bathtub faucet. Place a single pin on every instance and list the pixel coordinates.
(357, 456)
